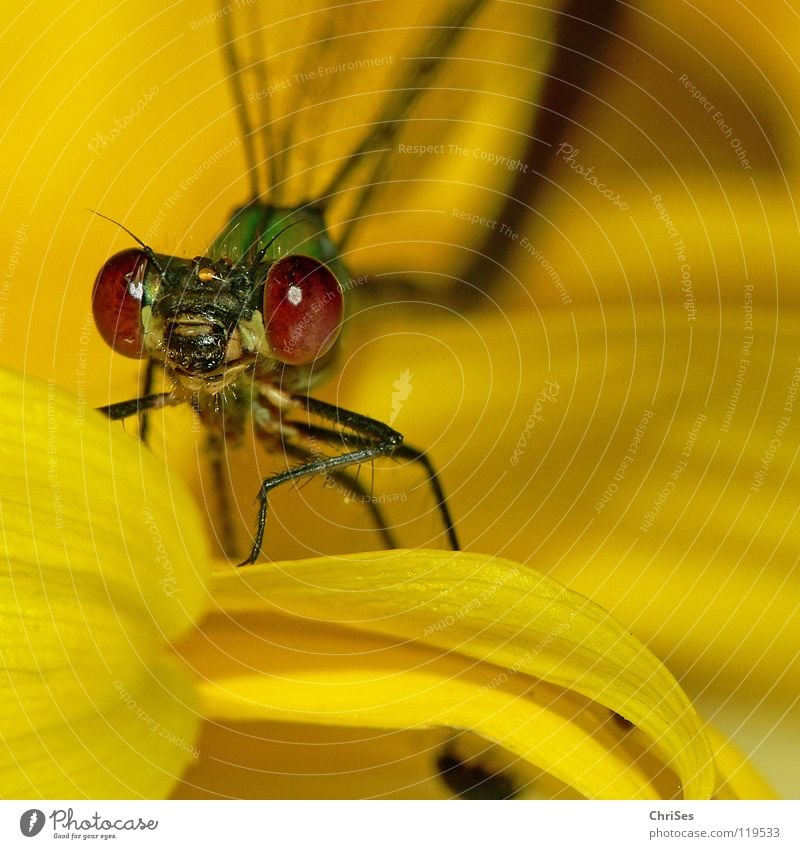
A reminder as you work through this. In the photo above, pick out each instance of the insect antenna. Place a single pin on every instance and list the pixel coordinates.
(146, 248)
(262, 253)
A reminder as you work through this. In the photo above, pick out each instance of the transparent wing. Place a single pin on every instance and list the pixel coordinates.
(371, 105)
(324, 89)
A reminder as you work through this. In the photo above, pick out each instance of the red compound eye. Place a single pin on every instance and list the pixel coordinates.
(303, 309)
(117, 302)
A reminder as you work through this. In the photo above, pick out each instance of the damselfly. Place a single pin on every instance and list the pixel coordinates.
(245, 332)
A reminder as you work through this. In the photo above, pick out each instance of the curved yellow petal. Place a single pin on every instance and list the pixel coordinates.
(130, 734)
(272, 760)
(517, 624)
(707, 566)
(101, 564)
(257, 667)
(702, 572)
(738, 779)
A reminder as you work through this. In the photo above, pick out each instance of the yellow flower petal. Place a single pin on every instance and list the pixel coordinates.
(707, 583)
(517, 624)
(364, 681)
(101, 565)
(298, 761)
(738, 778)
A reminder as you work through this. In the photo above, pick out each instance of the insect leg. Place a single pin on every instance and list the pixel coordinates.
(380, 440)
(352, 486)
(408, 452)
(147, 389)
(372, 439)
(216, 456)
(418, 456)
(123, 409)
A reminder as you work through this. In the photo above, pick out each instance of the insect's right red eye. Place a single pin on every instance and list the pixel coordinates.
(117, 302)
(303, 309)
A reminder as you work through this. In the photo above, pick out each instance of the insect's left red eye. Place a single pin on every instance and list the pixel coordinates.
(117, 302)
(303, 309)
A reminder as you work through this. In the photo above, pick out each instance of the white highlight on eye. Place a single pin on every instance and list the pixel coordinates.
(294, 295)
(136, 288)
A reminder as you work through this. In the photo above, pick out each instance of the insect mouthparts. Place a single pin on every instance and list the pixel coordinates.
(196, 346)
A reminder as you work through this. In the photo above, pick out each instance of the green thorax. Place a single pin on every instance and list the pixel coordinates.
(282, 231)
